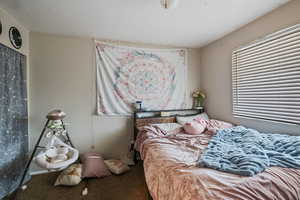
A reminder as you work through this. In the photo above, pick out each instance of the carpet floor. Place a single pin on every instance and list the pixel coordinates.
(129, 186)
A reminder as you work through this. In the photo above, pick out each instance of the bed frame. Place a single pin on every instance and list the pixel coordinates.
(144, 118)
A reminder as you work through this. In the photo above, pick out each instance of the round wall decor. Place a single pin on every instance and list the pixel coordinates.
(0, 27)
(15, 37)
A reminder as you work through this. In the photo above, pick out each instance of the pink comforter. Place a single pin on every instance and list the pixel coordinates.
(171, 172)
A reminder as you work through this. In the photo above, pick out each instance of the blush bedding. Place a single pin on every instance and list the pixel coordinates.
(171, 171)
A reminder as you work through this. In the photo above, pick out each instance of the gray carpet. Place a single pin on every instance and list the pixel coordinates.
(129, 186)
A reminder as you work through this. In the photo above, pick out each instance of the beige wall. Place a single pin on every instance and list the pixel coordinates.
(216, 65)
(63, 76)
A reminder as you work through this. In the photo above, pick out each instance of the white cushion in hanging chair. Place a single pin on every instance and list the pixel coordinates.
(58, 155)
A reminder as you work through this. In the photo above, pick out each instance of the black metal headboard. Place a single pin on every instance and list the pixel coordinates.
(143, 118)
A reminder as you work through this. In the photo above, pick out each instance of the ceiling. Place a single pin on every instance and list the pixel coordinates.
(193, 23)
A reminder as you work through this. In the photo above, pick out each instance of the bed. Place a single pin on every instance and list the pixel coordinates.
(171, 172)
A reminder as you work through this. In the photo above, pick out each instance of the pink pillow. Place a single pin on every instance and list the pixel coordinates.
(93, 166)
(202, 121)
(193, 128)
(215, 125)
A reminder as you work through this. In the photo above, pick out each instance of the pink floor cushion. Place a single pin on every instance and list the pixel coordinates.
(93, 166)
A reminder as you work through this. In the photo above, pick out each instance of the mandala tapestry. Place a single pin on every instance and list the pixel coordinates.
(157, 77)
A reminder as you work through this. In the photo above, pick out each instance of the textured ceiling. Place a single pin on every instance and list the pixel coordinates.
(193, 23)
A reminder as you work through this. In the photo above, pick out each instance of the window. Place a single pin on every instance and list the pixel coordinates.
(266, 78)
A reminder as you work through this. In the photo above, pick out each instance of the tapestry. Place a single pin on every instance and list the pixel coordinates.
(157, 77)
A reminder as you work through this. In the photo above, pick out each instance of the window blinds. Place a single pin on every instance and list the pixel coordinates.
(266, 78)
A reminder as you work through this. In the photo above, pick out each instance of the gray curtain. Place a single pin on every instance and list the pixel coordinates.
(13, 119)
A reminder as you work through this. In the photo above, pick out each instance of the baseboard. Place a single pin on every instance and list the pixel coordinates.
(39, 172)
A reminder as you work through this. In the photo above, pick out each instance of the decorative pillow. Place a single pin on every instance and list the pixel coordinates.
(193, 128)
(93, 166)
(214, 125)
(70, 176)
(116, 166)
(169, 128)
(201, 121)
(185, 119)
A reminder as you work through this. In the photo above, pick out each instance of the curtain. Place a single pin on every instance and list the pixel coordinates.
(13, 119)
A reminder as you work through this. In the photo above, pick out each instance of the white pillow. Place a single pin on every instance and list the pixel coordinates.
(186, 119)
(116, 166)
(70, 176)
(168, 128)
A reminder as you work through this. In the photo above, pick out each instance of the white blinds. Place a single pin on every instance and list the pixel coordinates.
(266, 78)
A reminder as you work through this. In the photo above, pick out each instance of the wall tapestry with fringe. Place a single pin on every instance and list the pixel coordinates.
(157, 77)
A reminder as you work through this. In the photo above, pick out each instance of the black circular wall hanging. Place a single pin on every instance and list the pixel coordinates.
(15, 37)
(0, 27)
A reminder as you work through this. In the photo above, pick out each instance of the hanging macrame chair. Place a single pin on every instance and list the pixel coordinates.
(58, 155)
